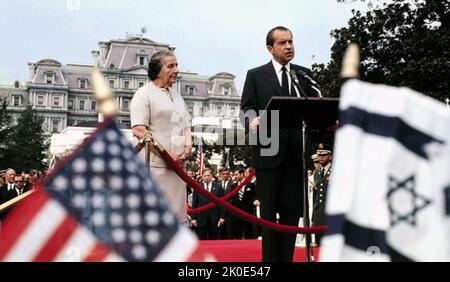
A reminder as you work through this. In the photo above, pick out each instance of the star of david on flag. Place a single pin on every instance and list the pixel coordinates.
(99, 204)
(390, 188)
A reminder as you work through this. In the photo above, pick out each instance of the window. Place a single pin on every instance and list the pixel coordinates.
(16, 101)
(55, 125)
(83, 83)
(56, 101)
(93, 105)
(226, 90)
(141, 84)
(219, 110)
(16, 84)
(111, 84)
(126, 85)
(190, 90)
(40, 100)
(191, 111)
(141, 60)
(70, 104)
(82, 102)
(49, 78)
(126, 105)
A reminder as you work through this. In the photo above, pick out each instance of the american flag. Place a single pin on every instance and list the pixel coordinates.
(99, 204)
(200, 159)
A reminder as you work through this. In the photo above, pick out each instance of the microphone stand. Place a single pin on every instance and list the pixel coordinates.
(306, 223)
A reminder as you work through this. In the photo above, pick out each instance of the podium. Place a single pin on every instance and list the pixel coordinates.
(305, 114)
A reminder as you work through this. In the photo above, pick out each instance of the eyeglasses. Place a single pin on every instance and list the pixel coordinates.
(21, 181)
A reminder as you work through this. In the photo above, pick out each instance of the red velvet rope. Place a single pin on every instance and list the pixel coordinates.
(225, 198)
(229, 207)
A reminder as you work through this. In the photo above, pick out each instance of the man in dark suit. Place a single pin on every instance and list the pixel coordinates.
(16, 190)
(207, 223)
(243, 200)
(279, 173)
(226, 183)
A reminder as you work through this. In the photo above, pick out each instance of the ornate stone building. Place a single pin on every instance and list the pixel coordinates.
(63, 95)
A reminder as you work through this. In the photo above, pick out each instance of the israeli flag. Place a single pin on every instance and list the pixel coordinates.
(389, 195)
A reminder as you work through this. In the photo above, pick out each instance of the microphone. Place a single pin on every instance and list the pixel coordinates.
(314, 85)
(297, 83)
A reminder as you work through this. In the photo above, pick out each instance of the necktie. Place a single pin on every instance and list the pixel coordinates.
(284, 82)
(241, 193)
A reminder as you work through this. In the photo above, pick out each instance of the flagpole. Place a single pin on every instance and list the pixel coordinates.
(105, 97)
(447, 100)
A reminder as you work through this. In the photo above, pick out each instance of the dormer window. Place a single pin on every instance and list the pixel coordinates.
(226, 90)
(49, 78)
(16, 84)
(190, 90)
(141, 60)
(83, 83)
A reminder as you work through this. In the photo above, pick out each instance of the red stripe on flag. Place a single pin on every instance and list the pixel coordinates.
(19, 219)
(98, 253)
(57, 240)
(197, 256)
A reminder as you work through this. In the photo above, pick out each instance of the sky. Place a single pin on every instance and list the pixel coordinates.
(210, 36)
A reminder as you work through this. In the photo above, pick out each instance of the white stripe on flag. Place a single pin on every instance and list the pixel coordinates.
(78, 246)
(37, 233)
(180, 248)
(113, 257)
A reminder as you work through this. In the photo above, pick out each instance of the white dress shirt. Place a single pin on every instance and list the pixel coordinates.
(279, 73)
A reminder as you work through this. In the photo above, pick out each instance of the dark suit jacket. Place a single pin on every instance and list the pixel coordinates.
(215, 213)
(261, 84)
(249, 196)
(5, 196)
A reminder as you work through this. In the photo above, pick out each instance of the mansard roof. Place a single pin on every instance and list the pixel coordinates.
(223, 75)
(49, 62)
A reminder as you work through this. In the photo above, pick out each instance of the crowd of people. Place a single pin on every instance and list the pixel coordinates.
(216, 223)
(13, 185)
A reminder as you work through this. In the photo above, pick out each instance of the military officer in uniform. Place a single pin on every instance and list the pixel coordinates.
(324, 152)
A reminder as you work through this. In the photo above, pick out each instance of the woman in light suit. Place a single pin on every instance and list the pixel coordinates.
(158, 110)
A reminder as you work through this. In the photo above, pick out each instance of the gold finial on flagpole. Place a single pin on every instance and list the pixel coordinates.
(350, 63)
(106, 101)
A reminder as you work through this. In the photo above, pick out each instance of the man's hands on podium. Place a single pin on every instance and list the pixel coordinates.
(255, 123)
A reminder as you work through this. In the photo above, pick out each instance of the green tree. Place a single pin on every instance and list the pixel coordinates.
(403, 43)
(28, 143)
(5, 132)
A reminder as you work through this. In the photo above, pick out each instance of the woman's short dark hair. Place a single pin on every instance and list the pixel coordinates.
(156, 63)
(269, 39)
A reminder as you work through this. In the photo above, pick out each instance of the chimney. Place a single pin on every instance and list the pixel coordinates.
(95, 58)
(32, 69)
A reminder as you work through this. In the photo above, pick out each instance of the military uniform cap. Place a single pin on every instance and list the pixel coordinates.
(324, 149)
(315, 158)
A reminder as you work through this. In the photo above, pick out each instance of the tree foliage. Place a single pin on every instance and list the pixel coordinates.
(403, 43)
(28, 143)
(5, 131)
